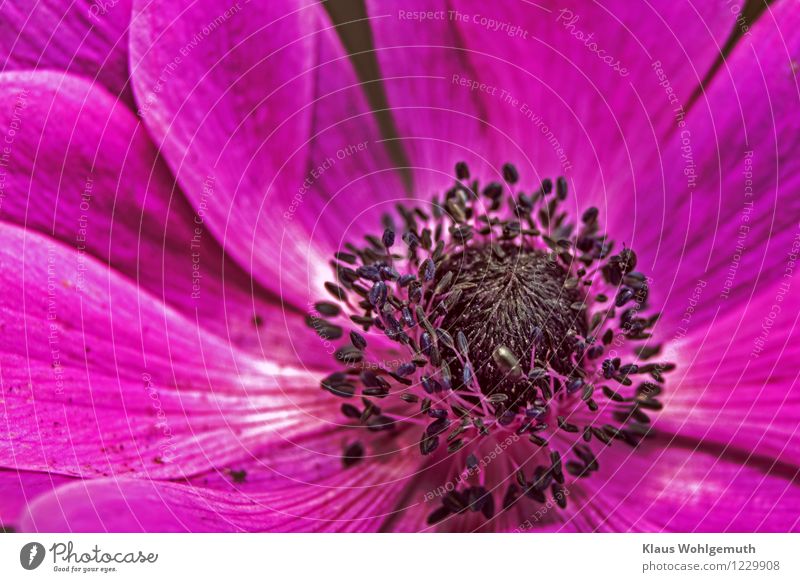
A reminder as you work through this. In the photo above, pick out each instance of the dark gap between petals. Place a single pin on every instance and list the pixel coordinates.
(751, 12)
(353, 27)
(761, 463)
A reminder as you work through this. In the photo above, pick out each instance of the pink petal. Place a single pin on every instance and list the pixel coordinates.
(737, 384)
(660, 486)
(531, 86)
(266, 104)
(83, 169)
(302, 458)
(83, 37)
(439, 122)
(733, 225)
(724, 268)
(411, 516)
(682, 490)
(356, 499)
(18, 489)
(101, 379)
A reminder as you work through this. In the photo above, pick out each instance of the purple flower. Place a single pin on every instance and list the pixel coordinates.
(548, 286)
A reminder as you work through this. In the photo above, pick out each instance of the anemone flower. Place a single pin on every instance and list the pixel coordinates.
(535, 272)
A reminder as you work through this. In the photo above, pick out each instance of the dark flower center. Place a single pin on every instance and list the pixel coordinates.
(512, 298)
(492, 319)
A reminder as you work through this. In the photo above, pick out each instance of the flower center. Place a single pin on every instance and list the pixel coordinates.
(514, 308)
(492, 320)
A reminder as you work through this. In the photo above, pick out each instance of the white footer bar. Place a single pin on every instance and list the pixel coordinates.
(396, 557)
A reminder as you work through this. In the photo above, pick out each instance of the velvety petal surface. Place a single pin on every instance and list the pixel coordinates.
(80, 167)
(84, 37)
(356, 499)
(666, 487)
(99, 378)
(18, 489)
(725, 266)
(570, 88)
(738, 385)
(262, 98)
(730, 175)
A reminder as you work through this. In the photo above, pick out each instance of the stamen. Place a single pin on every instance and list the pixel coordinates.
(489, 319)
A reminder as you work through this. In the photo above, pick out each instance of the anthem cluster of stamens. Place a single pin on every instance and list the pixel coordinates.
(488, 315)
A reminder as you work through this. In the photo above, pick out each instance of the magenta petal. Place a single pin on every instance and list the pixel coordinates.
(357, 499)
(101, 379)
(81, 168)
(83, 37)
(285, 461)
(18, 489)
(680, 490)
(268, 109)
(736, 384)
(412, 516)
(439, 122)
(729, 217)
(558, 88)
